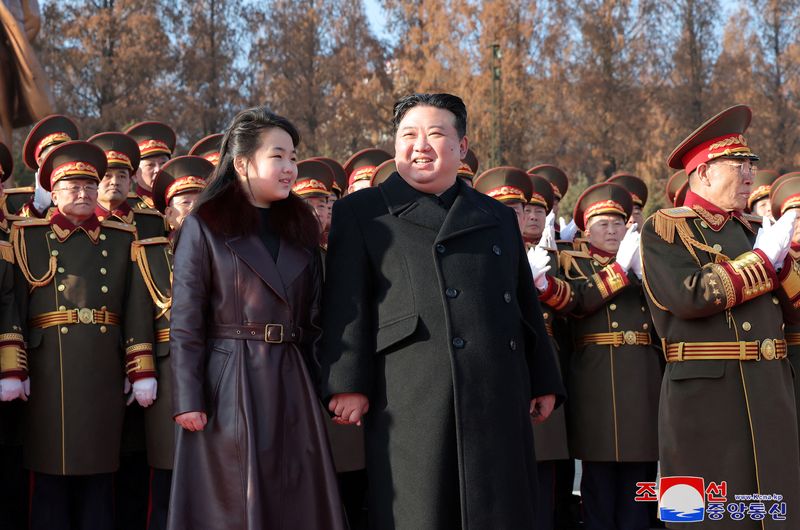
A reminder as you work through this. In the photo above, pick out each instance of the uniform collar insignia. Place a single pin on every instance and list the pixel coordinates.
(63, 227)
(601, 256)
(123, 213)
(714, 216)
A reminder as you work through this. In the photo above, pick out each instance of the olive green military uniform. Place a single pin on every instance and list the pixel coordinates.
(74, 287)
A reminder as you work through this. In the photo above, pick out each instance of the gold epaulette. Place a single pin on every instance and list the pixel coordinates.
(757, 219)
(119, 226)
(139, 256)
(22, 189)
(147, 211)
(569, 265)
(17, 240)
(669, 221)
(7, 251)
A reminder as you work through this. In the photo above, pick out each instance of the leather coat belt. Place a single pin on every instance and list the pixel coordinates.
(83, 315)
(756, 350)
(270, 333)
(616, 338)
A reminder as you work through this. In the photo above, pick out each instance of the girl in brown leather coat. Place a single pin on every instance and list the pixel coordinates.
(252, 452)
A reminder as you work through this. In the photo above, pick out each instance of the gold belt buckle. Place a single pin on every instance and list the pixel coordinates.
(266, 333)
(768, 349)
(86, 315)
(630, 338)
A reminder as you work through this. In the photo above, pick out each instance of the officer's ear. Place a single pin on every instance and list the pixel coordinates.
(53, 196)
(172, 217)
(700, 175)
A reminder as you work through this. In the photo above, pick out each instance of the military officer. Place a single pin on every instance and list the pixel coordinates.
(156, 143)
(514, 187)
(469, 167)
(719, 292)
(339, 177)
(785, 195)
(122, 153)
(560, 182)
(86, 327)
(638, 190)
(758, 202)
(175, 189)
(614, 370)
(314, 184)
(13, 374)
(33, 201)
(208, 148)
(360, 167)
(677, 186)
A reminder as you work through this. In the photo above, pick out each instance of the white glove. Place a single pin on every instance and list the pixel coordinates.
(636, 264)
(12, 388)
(548, 239)
(568, 231)
(539, 261)
(774, 240)
(144, 391)
(628, 248)
(41, 197)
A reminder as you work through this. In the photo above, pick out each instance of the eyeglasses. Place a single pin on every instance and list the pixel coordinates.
(743, 168)
(76, 189)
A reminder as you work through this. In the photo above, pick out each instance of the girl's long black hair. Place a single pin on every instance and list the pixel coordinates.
(224, 205)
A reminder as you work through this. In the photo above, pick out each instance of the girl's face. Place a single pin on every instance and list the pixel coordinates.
(268, 175)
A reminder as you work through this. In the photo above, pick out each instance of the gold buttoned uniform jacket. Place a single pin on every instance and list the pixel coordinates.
(727, 409)
(615, 369)
(86, 325)
(792, 332)
(153, 259)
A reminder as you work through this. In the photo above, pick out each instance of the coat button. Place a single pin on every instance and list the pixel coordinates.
(645, 325)
(62, 288)
(62, 308)
(104, 289)
(64, 330)
(440, 248)
(746, 326)
(703, 224)
(615, 325)
(451, 293)
(496, 250)
(54, 253)
(507, 297)
(103, 271)
(458, 342)
(717, 247)
(103, 329)
(61, 270)
(512, 344)
(104, 253)
(775, 300)
(613, 307)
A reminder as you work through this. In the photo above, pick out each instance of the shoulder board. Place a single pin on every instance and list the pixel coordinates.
(147, 211)
(681, 212)
(132, 195)
(757, 219)
(151, 241)
(119, 226)
(14, 191)
(576, 254)
(31, 221)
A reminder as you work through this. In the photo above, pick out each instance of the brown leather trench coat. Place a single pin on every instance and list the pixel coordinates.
(263, 460)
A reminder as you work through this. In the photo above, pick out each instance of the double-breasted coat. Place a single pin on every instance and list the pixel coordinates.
(432, 313)
(262, 460)
(723, 419)
(613, 385)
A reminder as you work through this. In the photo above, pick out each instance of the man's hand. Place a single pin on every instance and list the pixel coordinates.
(192, 421)
(12, 388)
(542, 407)
(349, 408)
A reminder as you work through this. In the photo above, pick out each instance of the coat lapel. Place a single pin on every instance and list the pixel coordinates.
(292, 260)
(251, 250)
(407, 204)
(466, 215)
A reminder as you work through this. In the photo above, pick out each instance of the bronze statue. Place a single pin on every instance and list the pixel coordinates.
(25, 95)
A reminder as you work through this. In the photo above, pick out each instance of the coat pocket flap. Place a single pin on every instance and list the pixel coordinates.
(697, 370)
(34, 338)
(395, 331)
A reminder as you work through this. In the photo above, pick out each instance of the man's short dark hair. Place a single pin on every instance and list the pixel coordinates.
(441, 101)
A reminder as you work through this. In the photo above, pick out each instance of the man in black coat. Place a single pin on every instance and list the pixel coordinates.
(430, 334)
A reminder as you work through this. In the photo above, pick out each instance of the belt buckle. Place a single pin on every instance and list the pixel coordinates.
(767, 349)
(267, 329)
(630, 338)
(86, 315)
